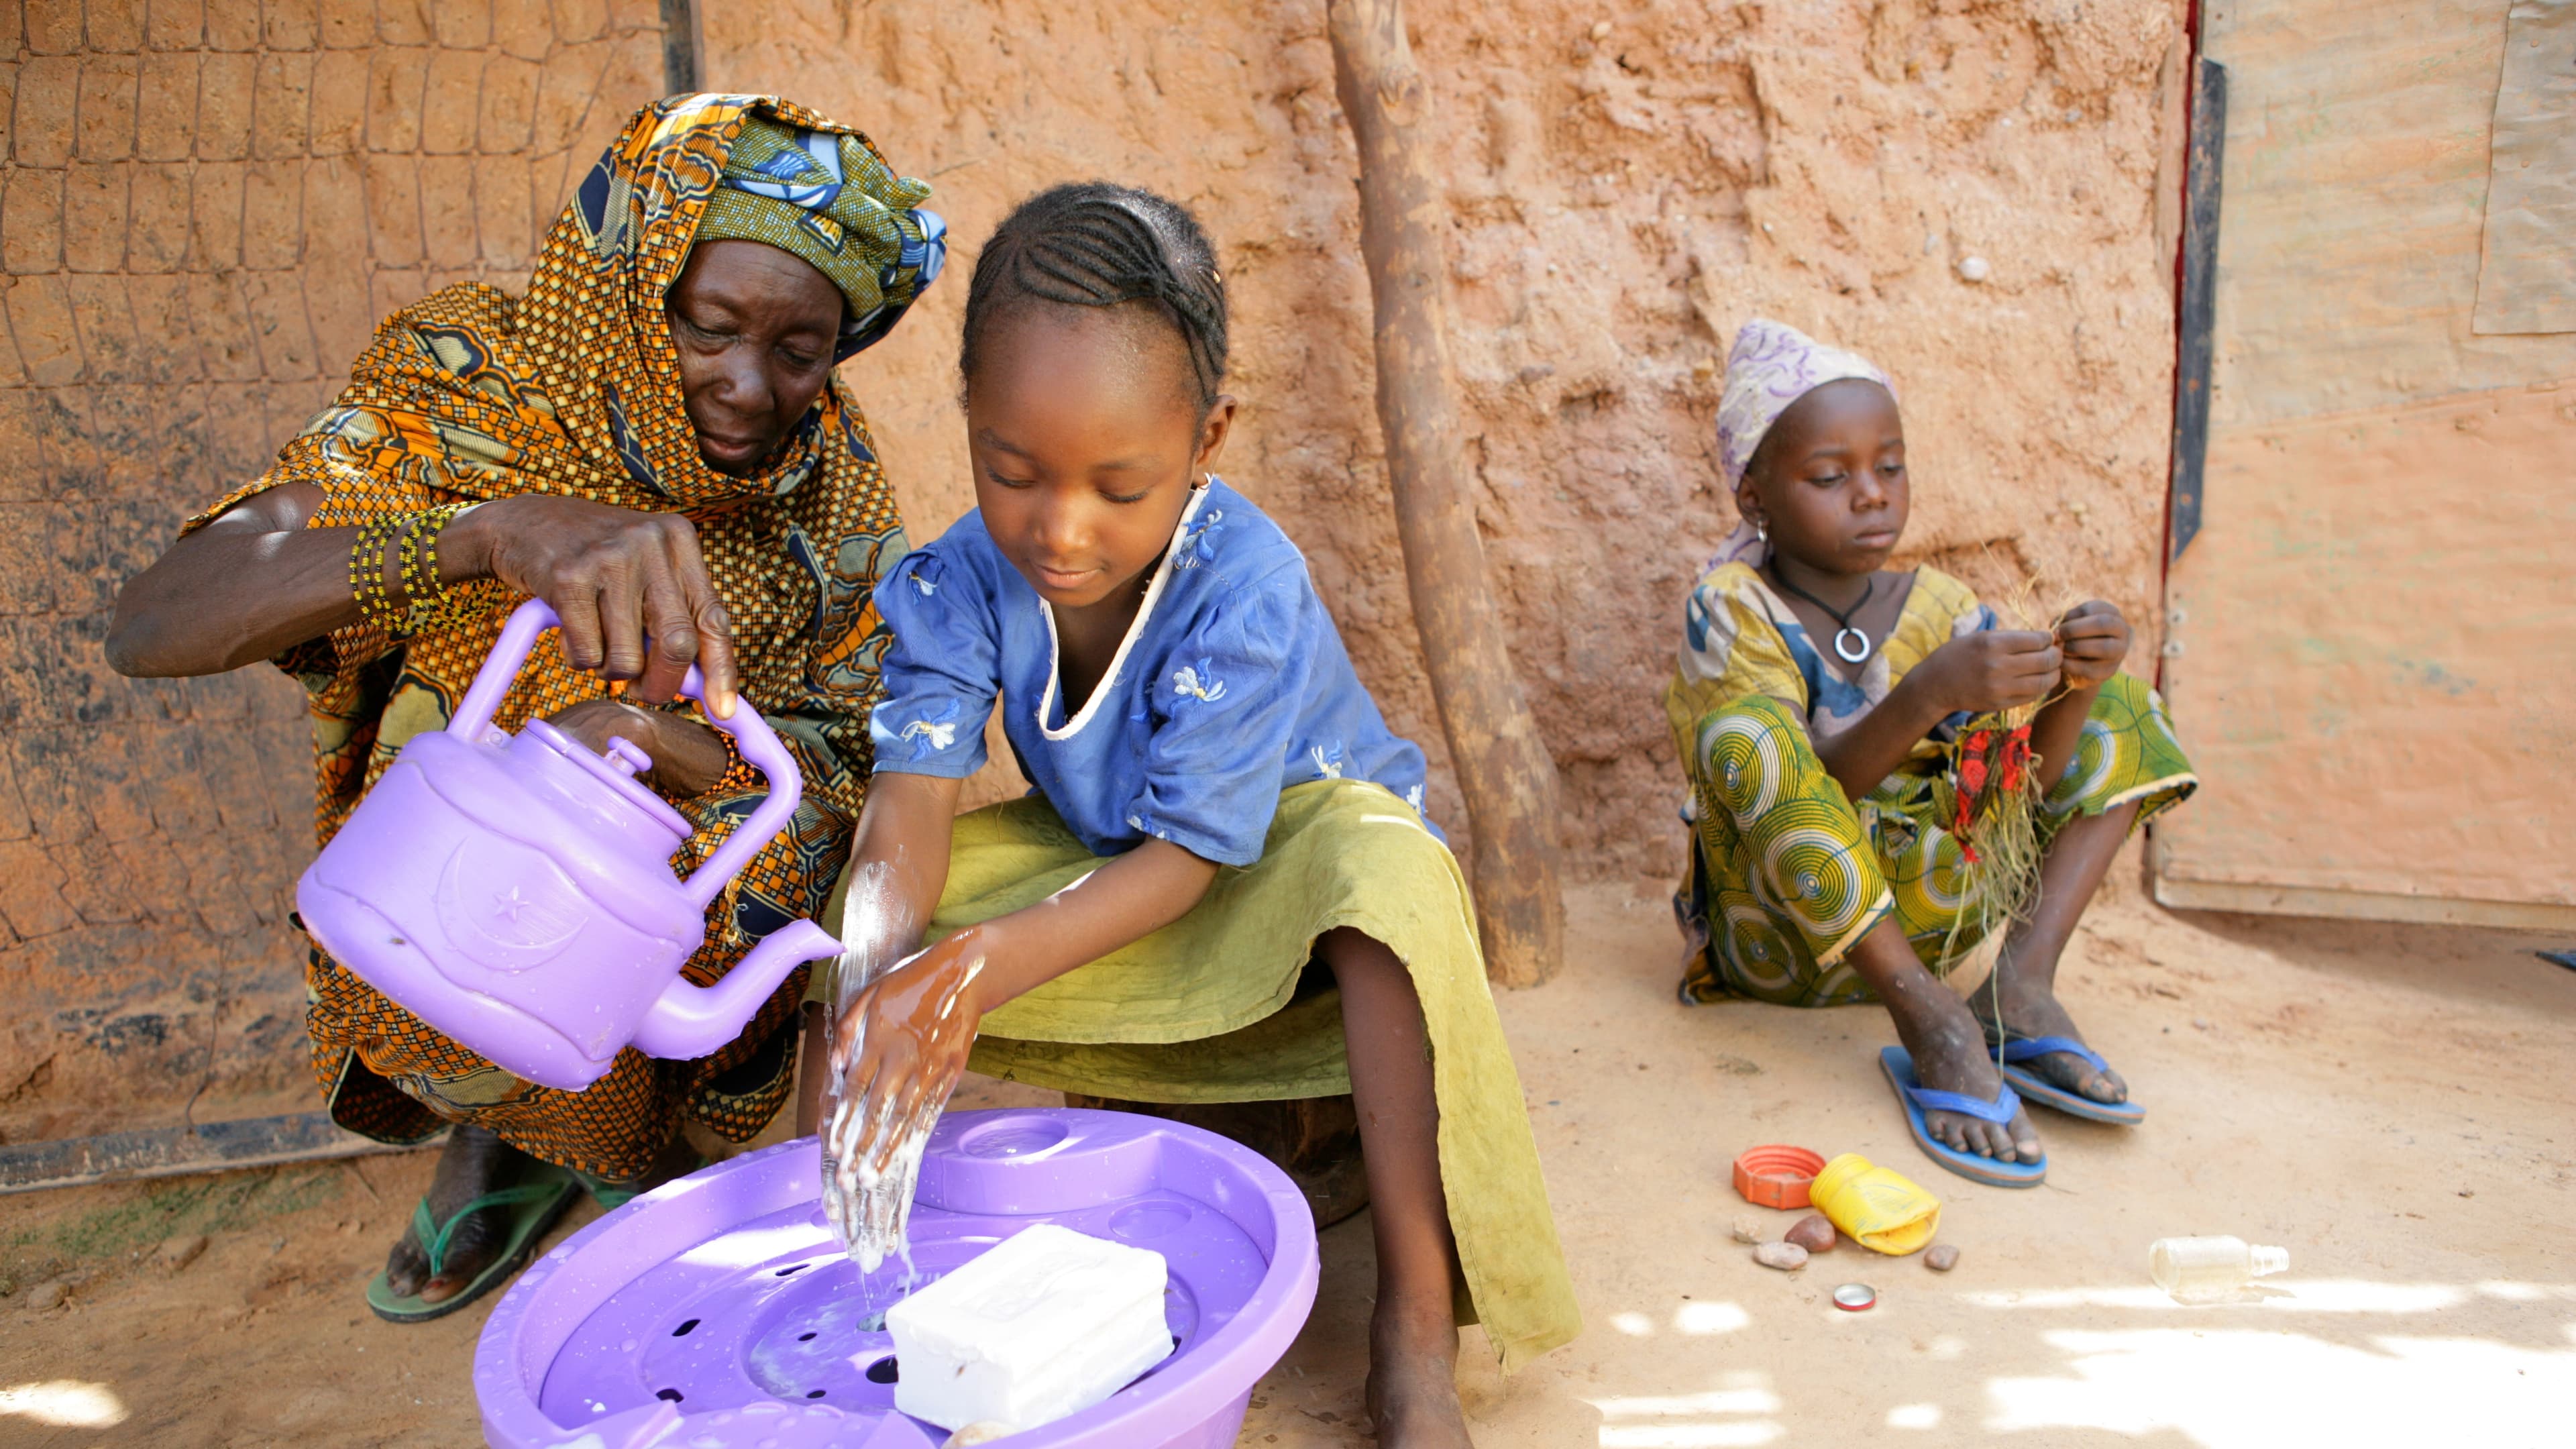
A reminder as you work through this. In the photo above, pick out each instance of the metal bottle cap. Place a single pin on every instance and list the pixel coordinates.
(1855, 1297)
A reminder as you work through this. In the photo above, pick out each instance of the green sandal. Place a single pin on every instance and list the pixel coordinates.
(534, 1205)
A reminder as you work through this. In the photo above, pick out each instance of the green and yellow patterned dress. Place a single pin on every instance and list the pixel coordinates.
(1787, 872)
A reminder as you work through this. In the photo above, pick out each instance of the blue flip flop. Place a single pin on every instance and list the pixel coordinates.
(1917, 1099)
(2036, 1088)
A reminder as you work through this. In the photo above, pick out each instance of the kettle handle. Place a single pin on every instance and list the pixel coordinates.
(501, 669)
(751, 734)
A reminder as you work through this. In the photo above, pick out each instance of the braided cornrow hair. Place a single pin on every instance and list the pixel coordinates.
(1094, 244)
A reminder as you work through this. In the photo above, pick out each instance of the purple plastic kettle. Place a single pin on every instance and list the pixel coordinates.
(516, 892)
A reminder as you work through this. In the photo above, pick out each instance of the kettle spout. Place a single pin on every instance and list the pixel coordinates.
(694, 1021)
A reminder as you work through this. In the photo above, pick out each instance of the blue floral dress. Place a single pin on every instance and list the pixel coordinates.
(1231, 686)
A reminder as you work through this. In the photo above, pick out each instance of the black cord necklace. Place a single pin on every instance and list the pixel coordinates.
(1859, 649)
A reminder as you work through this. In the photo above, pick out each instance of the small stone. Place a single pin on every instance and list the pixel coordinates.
(1783, 1256)
(177, 1253)
(1940, 1257)
(1747, 1230)
(1601, 30)
(1814, 1232)
(1973, 269)
(46, 1297)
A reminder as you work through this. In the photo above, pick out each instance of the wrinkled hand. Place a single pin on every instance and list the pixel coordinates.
(616, 577)
(900, 1048)
(1993, 669)
(2095, 639)
(688, 758)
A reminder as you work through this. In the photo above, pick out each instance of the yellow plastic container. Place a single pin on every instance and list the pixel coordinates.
(1874, 1207)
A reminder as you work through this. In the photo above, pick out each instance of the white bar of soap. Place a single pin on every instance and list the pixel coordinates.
(1046, 1323)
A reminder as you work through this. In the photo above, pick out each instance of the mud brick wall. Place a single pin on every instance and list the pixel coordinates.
(1627, 183)
(205, 207)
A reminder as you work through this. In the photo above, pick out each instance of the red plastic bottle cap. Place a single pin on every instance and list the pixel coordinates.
(1855, 1297)
(1776, 1176)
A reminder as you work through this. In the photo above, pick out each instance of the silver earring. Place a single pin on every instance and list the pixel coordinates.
(1761, 531)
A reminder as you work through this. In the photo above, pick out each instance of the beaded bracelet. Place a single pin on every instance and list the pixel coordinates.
(367, 574)
(427, 601)
(433, 604)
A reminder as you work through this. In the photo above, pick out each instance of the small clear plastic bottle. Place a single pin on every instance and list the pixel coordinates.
(2211, 1270)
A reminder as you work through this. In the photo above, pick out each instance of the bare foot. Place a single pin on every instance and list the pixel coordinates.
(2023, 1000)
(1949, 1050)
(475, 1162)
(1413, 1377)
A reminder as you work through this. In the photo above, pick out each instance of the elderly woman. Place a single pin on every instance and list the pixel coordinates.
(651, 440)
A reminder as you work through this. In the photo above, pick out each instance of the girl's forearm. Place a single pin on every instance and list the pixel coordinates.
(900, 859)
(902, 853)
(1122, 902)
(1862, 756)
(2055, 730)
(903, 839)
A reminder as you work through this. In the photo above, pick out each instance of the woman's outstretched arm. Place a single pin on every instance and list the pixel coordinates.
(257, 581)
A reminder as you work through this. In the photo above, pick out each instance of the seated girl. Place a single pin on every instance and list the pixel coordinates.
(1818, 708)
(1217, 802)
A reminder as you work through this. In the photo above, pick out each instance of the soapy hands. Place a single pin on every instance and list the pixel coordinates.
(896, 1039)
(900, 1047)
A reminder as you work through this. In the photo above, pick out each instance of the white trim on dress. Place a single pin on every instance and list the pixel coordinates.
(1135, 630)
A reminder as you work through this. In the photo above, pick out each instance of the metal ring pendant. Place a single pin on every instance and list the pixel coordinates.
(1851, 646)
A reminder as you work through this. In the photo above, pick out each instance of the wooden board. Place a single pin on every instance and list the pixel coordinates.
(2527, 282)
(2366, 638)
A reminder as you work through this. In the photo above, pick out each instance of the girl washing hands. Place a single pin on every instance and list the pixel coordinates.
(1816, 705)
(1217, 807)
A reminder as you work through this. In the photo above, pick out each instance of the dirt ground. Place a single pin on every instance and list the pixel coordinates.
(2386, 1102)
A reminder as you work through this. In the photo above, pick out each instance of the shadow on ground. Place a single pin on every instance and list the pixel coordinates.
(2386, 1102)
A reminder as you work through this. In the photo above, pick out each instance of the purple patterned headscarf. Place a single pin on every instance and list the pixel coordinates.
(1771, 366)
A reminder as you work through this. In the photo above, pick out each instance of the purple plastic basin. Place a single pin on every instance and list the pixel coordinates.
(719, 1312)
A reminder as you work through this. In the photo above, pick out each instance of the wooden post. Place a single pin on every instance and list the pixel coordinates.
(1503, 766)
(683, 48)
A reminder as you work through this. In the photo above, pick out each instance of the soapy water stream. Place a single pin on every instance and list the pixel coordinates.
(870, 1209)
